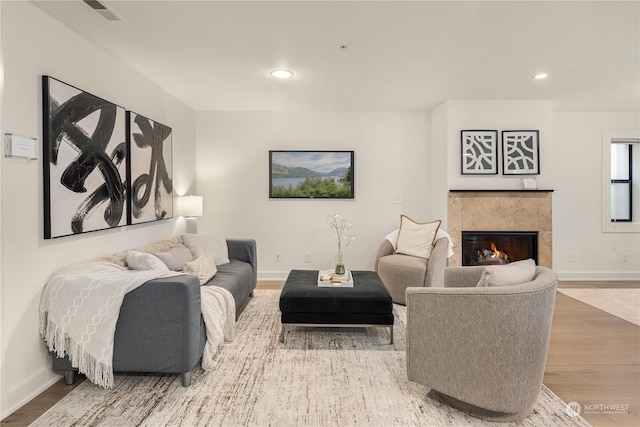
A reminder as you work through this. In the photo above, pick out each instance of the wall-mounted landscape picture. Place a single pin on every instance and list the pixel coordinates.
(311, 174)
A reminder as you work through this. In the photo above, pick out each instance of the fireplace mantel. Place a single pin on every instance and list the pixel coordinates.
(501, 210)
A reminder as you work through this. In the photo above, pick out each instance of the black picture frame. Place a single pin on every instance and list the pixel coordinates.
(150, 169)
(311, 174)
(520, 152)
(479, 152)
(84, 161)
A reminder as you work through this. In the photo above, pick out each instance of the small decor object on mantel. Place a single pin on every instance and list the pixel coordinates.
(520, 152)
(479, 152)
(341, 227)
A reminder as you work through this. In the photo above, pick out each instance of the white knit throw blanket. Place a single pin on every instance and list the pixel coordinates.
(219, 313)
(79, 310)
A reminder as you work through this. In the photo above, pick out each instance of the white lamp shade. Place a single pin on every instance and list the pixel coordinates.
(191, 206)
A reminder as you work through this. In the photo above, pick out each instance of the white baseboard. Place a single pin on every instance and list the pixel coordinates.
(567, 276)
(27, 390)
(273, 276)
(593, 276)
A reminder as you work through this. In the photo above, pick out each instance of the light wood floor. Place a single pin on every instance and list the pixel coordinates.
(593, 359)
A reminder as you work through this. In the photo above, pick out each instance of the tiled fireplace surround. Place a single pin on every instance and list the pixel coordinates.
(509, 210)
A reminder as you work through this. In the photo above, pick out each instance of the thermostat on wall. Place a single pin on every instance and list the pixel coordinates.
(20, 146)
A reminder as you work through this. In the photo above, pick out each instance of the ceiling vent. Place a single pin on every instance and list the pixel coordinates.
(105, 11)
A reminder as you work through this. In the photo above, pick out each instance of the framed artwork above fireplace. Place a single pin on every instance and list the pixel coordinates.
(520, 152)
(479, 152)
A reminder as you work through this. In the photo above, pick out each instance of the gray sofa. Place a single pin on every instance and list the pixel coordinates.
(160, 326)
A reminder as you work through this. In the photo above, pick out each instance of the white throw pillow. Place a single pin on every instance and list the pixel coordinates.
(144, 261)
(416, 239)
(213, 244)
(204, 268)
(510, 274)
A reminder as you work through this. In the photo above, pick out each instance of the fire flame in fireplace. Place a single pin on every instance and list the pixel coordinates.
(492, 256)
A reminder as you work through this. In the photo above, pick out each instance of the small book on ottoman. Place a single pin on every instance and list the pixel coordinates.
(328, 278)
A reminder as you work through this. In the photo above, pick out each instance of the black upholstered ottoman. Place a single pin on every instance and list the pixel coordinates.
(366, 304)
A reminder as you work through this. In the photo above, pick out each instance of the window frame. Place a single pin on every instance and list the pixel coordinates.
(608, 226)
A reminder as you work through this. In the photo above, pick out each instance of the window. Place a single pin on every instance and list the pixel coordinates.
(621, 181)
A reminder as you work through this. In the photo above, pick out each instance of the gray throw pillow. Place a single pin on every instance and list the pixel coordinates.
(514, 273)
(176, 257)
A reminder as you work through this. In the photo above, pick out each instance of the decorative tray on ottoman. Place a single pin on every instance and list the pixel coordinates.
(329, 279)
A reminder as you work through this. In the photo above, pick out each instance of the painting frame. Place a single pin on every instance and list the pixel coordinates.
(479, 152)
(311, 174)
(520, 152)
(84, 161)
(150, 169)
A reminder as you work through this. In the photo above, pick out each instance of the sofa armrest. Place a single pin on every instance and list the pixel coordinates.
(245, 250)
(159, 328)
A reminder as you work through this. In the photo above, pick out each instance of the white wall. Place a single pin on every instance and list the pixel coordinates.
(577, 213)
(391, 159)
(28, 260)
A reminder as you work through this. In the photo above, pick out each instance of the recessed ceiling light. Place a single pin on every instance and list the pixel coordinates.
(541, 76)
(281, 74)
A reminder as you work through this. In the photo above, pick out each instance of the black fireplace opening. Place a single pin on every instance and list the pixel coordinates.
(498, 247)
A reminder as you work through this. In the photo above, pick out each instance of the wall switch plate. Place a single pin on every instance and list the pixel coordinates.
(307, 257)
(397, 199)
(573, 257)
(277, 256)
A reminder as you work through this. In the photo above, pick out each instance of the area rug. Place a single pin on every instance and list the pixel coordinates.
(319, 377)
(622, 303)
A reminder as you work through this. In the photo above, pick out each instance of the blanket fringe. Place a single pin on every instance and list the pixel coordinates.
(60, 344)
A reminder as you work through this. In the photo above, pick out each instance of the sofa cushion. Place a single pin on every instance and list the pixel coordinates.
(213, 244)
(203, 267)
(143, 261)
(416, 239)
(510, 274)
(176, 257)
(237, 278)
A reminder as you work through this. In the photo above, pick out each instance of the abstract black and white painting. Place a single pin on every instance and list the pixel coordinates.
(520, 152)
(84, 161)
(150, 169)
(479, 152)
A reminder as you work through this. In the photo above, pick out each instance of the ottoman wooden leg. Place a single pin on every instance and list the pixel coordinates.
(391, 334)
(282, 334)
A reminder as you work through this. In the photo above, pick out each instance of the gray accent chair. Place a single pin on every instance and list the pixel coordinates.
(398, 272)
(481, 350)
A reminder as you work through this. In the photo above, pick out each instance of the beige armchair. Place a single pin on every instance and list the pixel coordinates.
(398, 272)
(481, 350)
